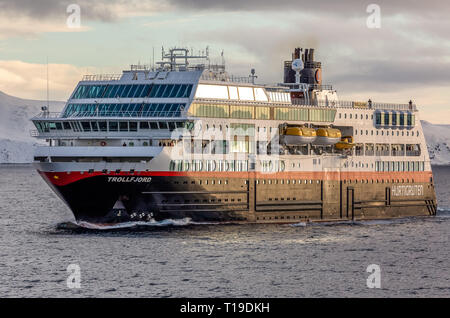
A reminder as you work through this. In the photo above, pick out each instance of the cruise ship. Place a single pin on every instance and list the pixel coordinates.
(185, 139)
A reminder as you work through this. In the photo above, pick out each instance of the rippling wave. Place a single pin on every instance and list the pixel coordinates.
(130, 225)
(181, 258)
(123, 225)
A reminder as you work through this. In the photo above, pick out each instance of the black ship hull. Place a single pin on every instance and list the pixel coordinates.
(110, 198)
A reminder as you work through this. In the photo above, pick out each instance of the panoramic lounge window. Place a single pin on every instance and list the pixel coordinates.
(133, 91)
(124, 110)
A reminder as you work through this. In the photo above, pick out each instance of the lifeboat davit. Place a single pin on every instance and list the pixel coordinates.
(345, 143)
(298, 135)
(327, 136)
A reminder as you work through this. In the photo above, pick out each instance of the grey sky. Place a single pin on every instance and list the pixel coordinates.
(409, 54)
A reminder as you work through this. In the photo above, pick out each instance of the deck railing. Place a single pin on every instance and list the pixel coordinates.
(101, 77)
(226, 78)
(355, 104)
(132, 114)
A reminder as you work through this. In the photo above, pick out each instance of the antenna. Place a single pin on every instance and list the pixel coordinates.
(252, 75)
(223, 59)
(48, 94)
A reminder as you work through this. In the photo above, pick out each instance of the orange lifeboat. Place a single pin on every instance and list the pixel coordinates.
(298, 135)
(327, 136)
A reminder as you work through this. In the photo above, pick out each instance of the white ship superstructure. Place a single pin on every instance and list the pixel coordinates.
(187, 140)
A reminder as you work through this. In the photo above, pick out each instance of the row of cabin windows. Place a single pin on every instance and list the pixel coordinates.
(392, 166)
(210, 200)
(394, 119)
(262, 112)
(208, 165)
(212, 182)
(114, 126)
(203, 146)
(292, 182)
(124, 110)
(299, 217)
(350, 116)
(370, 149)
(133, 91)
(378, 181)
(392, 133)
(287, 181)
(206, 147)
(225, 165)
(385, 118)
(300, 182)
(124, 143)
(358, 164)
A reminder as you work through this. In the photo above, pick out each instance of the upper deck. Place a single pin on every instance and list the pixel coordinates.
(178, 92)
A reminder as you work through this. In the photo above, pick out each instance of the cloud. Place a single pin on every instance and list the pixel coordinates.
(29, 28)
(430, 8)
(27, 18)
(352, 55)
(29, 80)
(407, 56)
(98, 10)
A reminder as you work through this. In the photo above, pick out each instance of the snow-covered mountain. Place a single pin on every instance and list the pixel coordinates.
(438, 142)
(16, 144)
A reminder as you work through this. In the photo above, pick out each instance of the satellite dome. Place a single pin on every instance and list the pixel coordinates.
(297, 65)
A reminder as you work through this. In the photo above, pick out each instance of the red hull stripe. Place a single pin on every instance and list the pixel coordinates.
(65, 178)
